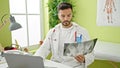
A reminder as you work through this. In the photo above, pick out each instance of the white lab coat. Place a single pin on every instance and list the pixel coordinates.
(52, 43)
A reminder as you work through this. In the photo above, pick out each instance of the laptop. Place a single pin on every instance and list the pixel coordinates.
(24, 61)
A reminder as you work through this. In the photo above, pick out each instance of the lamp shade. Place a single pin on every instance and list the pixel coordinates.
(13, 24)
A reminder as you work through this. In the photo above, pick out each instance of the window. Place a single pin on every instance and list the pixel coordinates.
(28, 13)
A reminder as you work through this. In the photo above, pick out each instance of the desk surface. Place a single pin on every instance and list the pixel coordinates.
(55, 64)
(47, 63)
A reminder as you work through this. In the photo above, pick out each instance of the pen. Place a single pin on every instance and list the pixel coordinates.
(79, 39)
(75, 36)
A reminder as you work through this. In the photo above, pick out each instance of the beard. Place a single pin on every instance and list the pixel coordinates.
(66, 23)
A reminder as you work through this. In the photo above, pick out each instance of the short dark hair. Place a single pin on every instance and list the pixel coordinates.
(64, 5)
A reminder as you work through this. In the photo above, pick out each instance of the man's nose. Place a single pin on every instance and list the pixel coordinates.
(66, 18)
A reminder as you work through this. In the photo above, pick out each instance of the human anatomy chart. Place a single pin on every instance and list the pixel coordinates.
(108, 12)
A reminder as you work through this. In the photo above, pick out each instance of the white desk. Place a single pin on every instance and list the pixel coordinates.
(55, 64)
(107, 51)
(47, 63)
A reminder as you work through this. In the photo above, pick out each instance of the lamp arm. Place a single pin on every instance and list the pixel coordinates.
(3, 22)
(3, 17)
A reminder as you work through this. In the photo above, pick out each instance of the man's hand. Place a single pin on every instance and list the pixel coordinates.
(80, 58)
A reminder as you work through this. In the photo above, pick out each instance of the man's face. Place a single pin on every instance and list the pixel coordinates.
(65, 16)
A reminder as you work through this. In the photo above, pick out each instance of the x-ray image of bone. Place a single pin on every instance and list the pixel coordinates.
(70, 49)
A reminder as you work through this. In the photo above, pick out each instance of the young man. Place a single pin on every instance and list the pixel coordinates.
(65, 32)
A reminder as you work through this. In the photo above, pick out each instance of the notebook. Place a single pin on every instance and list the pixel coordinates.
(24, 61)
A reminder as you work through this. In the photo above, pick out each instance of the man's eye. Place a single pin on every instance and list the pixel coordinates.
(63, 16)
(69, 15)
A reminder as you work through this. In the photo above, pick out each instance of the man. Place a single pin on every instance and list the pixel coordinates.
(65, 32)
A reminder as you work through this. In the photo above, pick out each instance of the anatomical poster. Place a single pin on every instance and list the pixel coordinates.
(108, 12)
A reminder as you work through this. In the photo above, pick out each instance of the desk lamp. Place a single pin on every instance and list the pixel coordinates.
(13, 24)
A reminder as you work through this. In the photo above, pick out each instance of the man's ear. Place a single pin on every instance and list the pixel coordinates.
(58, 15)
